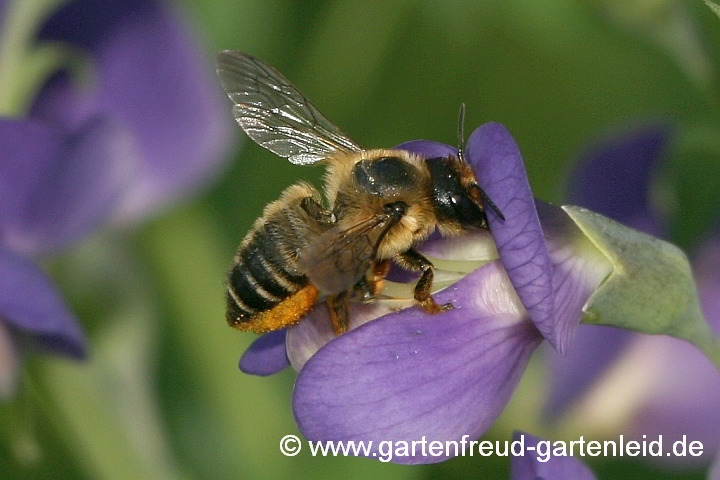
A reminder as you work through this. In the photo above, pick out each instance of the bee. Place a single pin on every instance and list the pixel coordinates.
(380, 204)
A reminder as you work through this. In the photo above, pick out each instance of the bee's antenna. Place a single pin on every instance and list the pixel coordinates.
(461, 133)
(487, 200)
(461, 156)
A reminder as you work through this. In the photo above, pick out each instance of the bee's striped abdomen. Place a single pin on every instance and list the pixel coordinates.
(266, 289)
(265, 275)
(261, 278)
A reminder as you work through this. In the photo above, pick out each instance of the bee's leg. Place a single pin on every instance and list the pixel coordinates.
(380, 270)
(415, 262)
(316, 211)
(338, 308)
(366, 288)
(362, 290)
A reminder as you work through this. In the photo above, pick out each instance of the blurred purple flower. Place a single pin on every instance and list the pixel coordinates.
(407, 374)
(540, 463)
(616, 381)
(150, 127)
(153, 79)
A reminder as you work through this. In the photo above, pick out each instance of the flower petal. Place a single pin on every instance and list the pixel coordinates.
(56, 186)
(266, 355)
(151, 77)
(500, 171)
(60, 101)
(613, 177)
(315, 330)
(32, 307)
(540, 464)
(427, 148)
(659, 385)
(685, 396)
(594, 349)
(410, 375)
(680, 395)
(578, 268)
(470, 247)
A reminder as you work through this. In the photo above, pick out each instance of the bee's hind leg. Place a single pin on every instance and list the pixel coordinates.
(416, 262)
(338, 309)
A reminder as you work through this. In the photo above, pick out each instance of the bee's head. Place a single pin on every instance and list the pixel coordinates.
(456, 196)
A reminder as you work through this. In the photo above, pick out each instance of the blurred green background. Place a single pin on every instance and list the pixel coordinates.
(161, 396)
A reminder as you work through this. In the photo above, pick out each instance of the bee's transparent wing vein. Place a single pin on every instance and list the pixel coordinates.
(275, 114)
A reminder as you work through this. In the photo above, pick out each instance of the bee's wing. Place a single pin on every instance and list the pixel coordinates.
(275, 114)
(336, 260)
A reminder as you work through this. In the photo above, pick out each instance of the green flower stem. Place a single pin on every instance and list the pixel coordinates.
(24, 66)
(18, 422)
(88, 425)
(713, 6)
(104, 410)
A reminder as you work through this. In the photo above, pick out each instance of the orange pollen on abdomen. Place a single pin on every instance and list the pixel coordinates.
(286, 313)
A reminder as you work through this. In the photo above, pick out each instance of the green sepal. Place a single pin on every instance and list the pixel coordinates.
(713, 6)
(651, 288)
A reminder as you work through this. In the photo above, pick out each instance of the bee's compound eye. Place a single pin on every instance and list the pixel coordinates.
(462, 203)
(467, 211)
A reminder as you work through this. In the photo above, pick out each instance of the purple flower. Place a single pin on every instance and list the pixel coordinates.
(148, 128)
(407, 374)
(152, 80)
(614, 381)
(541, 464)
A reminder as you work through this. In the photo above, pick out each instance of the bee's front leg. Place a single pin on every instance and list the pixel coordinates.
(338, 309)
(415, 262)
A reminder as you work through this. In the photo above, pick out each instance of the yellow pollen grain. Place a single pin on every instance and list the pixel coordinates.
(286, 313)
